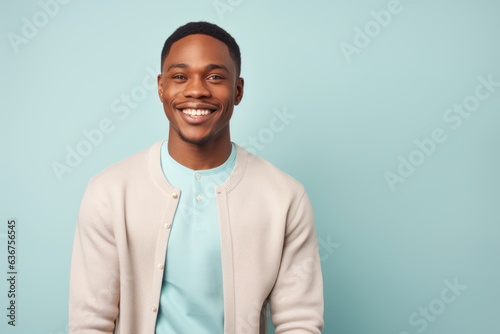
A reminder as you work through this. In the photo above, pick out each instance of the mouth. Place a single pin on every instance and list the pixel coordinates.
(195, 113)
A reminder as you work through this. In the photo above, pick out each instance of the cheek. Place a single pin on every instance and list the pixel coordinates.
(169, 97)
(227, 96)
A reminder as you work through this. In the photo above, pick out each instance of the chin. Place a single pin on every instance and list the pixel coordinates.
(195, 140)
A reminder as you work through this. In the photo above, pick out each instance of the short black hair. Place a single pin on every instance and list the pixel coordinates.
(204, 28)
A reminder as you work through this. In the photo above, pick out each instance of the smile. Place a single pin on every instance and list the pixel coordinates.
(196, 112)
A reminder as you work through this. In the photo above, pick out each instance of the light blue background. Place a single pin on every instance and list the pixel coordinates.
(390, 251)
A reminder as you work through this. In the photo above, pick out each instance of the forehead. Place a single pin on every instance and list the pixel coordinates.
(199, 50)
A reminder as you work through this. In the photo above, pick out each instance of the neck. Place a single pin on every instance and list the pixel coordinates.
(199, 157)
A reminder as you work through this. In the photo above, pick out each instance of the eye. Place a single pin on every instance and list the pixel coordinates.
(215, 77)
(178, 77)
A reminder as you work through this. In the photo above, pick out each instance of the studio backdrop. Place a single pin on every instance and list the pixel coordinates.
(388, 111)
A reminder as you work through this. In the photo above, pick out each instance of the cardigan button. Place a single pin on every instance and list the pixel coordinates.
(160, 266)
(175, 196)
(154, 309)
(167, 225)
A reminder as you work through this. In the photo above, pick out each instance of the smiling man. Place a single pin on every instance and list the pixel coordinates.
(195, 234)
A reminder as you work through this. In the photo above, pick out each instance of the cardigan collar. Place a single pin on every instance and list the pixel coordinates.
(154, 166)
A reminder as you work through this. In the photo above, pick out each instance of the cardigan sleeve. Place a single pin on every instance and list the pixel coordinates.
(94, 279)
(297, 297)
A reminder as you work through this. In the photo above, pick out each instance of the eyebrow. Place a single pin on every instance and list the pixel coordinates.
(216, 66)
(209, 66)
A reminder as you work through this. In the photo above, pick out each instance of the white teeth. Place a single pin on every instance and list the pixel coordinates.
(196, 112)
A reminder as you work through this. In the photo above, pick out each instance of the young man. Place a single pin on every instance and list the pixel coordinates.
(195, 234)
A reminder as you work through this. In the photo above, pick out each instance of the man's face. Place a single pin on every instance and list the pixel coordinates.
(199, 88)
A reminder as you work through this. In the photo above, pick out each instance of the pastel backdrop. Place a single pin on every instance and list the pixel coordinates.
(387, 111)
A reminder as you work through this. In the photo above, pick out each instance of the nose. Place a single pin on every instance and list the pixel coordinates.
(197, 88)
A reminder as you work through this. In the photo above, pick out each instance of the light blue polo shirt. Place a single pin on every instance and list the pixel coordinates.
(192, 299)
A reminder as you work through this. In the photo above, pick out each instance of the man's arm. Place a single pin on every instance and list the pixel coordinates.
(297, 297)
(94, 280)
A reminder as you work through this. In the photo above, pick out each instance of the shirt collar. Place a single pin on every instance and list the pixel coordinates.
(169, 163)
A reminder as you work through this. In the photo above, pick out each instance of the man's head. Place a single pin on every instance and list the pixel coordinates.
(199, 84)
(204, 28)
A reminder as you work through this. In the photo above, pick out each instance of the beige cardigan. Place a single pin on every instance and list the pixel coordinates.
(268, 245)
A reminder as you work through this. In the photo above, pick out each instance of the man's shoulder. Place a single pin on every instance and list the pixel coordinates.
(267, 174)
(136, 165)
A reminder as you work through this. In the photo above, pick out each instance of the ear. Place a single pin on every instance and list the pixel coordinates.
(239, 91)
(160, 86)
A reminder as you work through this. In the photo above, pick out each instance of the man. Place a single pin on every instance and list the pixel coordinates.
(195, 234)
